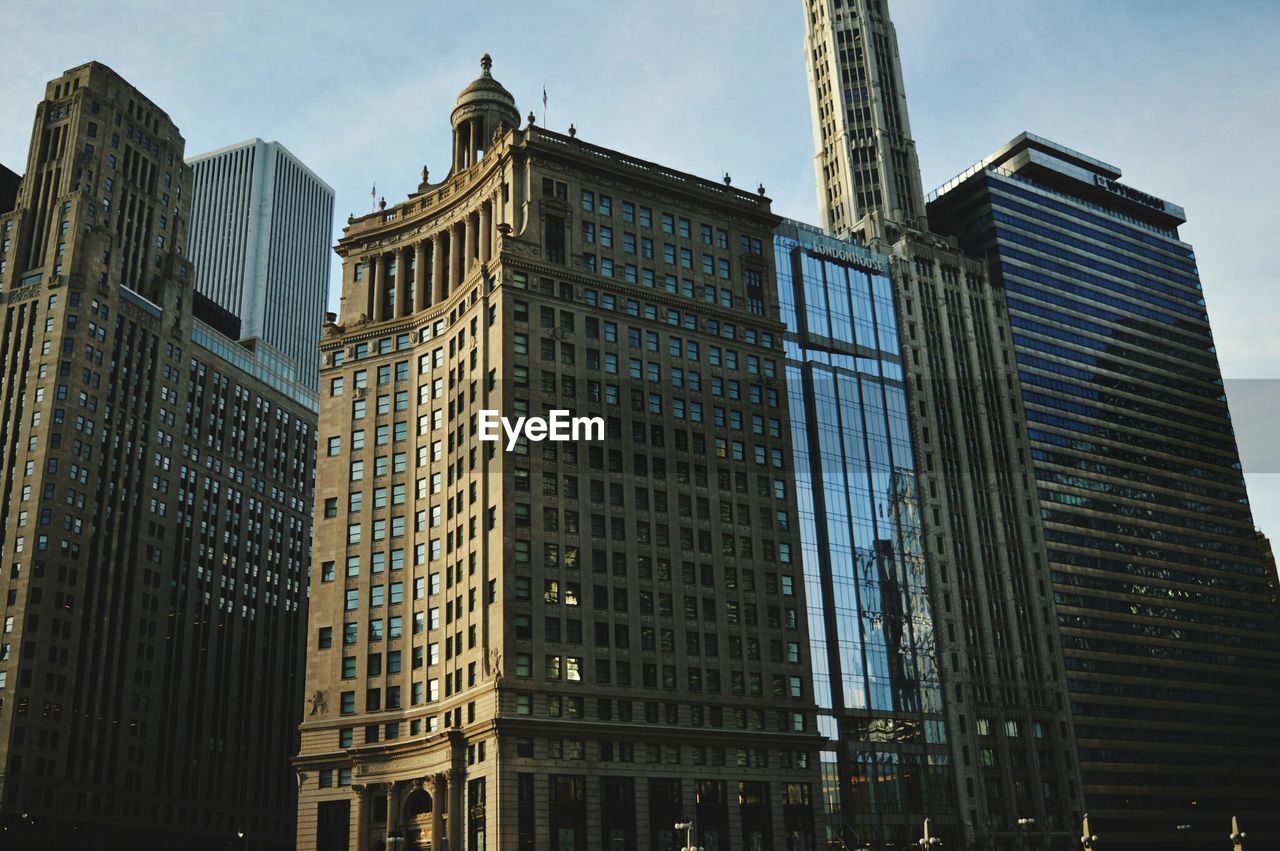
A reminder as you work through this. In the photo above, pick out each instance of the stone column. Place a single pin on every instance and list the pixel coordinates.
(735, 812)
(419, 275)
(593, 788)
(516, 211)
(689, 807)
(455, 259)
(437, 268)
(486, 231)
(403, 307)
(362, 816)
(392, 810)
(775, 813)
(436, 789)
(375, 286)
(456, 817)
(641, 790)
(469, 242)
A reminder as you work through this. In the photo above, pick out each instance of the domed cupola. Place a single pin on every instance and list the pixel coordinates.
(482, 108)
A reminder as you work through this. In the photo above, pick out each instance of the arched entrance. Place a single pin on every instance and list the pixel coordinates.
(417, 817)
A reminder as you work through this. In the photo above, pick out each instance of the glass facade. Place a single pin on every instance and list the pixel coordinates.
(885, 763)
(1166, 601)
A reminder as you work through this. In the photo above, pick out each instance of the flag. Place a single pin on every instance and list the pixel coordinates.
(373, 193)
(544, 97)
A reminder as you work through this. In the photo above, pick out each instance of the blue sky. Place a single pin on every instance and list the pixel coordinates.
(1182, 96)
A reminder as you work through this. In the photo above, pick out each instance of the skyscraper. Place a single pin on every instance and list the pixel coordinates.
(865, 159)
(8, 190)
(261, 223)
(1166, 596)
(1012, 746)
(886, 763)
(156, 506)
(546, 644)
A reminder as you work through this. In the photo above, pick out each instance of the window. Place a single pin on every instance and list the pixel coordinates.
(555, 238)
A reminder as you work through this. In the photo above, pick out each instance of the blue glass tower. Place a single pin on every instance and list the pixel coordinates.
(1165, 597)
(886, 764)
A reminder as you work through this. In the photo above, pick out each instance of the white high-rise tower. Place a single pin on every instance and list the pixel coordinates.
(261, 227)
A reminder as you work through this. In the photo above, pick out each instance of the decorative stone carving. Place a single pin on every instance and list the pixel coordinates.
(434, 784)
(318, 703)
(519, 247)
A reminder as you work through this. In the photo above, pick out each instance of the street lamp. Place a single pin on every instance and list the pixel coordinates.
(926, 842)
(687, 827)
(1184, 830)
(1237, 835)
(1086, 838)
(1027, 824)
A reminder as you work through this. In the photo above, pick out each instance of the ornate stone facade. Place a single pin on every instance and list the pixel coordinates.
(558, 646)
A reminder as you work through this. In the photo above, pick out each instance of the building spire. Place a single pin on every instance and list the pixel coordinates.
(868, 173)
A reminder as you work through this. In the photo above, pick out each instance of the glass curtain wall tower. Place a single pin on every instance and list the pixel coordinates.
(999, 657)
(1166, 596)
(886, 763)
